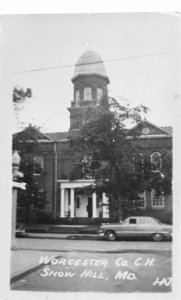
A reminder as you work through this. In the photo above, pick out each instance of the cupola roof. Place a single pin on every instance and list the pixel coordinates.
(90, 63)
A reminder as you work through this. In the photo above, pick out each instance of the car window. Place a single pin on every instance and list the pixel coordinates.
(132, 221)
(142, 221)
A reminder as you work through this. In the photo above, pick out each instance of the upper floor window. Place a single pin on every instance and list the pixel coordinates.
(87, 93)
(157, 200)
(38, 165)
(99, 93)
(138, 163)
(77, 96)
(156, 162)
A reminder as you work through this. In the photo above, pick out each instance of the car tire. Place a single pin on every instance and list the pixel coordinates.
(110, 235)
(157, 237)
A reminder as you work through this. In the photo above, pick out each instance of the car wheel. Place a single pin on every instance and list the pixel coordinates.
(111, 236)
(157, 237)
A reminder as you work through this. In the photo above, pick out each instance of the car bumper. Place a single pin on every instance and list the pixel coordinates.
(100, 233)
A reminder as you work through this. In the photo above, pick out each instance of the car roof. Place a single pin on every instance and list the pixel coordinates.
(140, 217)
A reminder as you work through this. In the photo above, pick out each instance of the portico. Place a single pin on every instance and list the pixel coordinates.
(75, 205)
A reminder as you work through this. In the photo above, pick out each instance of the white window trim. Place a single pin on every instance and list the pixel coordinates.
(157, 206)
(144, 195)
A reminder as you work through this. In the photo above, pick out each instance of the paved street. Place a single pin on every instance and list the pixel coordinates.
(83, 265)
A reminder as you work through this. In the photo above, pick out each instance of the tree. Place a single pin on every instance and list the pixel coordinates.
(34, 197)
(104, 152)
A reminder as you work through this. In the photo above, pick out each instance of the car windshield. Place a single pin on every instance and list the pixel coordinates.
(156, 220)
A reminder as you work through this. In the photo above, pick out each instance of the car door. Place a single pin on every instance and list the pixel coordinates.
(142, 228)
(128, 228)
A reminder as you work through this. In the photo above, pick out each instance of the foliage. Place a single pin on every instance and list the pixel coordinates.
(19, 99)
(19, 94)
(35, 195)
(25, 140)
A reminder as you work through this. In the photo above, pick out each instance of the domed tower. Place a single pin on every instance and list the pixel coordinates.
(90, 85)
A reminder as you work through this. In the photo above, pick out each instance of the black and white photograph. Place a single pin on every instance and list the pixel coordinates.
(95, 106)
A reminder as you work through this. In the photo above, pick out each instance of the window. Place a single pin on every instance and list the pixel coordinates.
(38, 165)
(132, 221)
(156, 162)
(138, 163)
(87, 93)
(77, 96)
(142, 221)
(157, 200)
(99, 93)
(141, 202)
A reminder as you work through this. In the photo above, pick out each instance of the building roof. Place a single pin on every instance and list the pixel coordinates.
(152, 130)
(90, 63)
(57, 136)
(168, 129)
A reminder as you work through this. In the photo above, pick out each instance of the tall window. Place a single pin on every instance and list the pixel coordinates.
(138, 163)
(156, 162)
(38, 165)
(77, 96)
(99, 94)
(87, 93)
(157, 201)
(141, 202)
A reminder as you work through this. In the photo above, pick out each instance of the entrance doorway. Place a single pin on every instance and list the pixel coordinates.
(89, 207)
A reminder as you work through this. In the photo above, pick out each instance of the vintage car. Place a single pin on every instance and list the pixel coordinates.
(139, 227)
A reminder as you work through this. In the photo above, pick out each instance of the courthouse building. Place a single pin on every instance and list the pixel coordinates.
(53, 154)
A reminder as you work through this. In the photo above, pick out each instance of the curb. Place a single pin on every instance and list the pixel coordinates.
(66, 236)
(27, 272)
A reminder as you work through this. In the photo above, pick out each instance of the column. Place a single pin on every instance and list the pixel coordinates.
(62, 203)
(72, 203)
(105, 206)
(94, 206)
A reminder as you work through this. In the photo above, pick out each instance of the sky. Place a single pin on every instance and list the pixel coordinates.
(141, 54)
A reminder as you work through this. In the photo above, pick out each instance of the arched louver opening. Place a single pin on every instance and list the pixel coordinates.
(99, 94)
(77, 96)
(87, 94)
